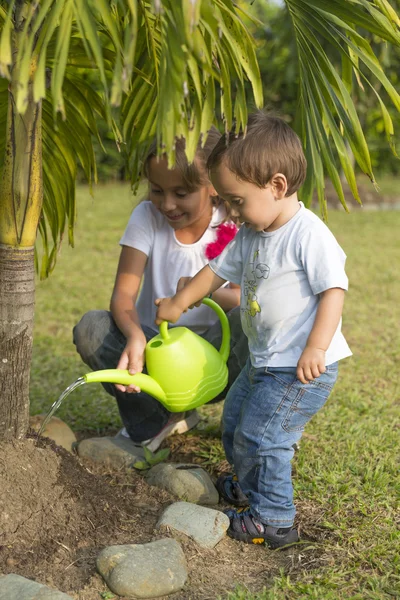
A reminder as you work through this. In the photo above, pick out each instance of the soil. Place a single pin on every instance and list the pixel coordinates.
(57, 513)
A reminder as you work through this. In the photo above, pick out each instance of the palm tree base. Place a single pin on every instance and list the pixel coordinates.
(17, 297)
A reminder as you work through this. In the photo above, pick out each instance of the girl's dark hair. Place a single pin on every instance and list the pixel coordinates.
(195, 174)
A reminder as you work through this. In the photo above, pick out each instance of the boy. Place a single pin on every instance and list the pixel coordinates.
(291, 272)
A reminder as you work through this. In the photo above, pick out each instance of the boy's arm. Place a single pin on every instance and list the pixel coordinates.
(202, 284)
(312, 361)
(228, 297)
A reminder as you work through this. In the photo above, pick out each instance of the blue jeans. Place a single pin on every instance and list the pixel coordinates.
(265, 413)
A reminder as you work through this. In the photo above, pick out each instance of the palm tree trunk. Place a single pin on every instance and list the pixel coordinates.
(17, 291)
(21, 197)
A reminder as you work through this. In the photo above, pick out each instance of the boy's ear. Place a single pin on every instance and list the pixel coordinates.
(279, 185)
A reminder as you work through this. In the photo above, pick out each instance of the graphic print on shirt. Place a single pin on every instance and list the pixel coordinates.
(254, 272)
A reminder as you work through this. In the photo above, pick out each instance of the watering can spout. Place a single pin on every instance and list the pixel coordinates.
(146, 383)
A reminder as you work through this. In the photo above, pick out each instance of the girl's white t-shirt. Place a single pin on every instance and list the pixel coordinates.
(168, 261)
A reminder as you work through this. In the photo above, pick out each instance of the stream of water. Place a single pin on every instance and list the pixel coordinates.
(80, 381)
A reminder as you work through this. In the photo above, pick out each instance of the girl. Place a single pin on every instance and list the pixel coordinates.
(169, 237)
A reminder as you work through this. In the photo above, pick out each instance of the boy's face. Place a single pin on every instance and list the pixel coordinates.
(180, 207)
(258, 208)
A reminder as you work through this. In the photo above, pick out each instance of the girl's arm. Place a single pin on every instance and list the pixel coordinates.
(312, 361)
(130, 270)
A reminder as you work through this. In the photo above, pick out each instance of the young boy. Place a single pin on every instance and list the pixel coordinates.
(291, 272)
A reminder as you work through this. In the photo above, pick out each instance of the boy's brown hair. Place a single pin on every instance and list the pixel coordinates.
(267, 147)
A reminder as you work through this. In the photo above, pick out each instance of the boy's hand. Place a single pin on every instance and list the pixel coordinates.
(311, 364)
(168, 310)
(132, 359)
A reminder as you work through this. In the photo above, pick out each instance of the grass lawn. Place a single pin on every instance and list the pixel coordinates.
(347, 470)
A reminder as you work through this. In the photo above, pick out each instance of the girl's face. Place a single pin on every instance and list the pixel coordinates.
(180, 207)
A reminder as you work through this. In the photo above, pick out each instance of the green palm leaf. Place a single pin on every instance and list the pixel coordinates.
(167, 64)
(327, 110)
(63, 147)
(163, 64)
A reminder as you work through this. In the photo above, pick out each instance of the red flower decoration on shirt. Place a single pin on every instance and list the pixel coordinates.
(225, 233)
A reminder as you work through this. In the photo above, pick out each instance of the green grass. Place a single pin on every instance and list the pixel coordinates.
(347, 471)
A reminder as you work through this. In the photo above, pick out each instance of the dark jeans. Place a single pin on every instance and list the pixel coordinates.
(100, 344)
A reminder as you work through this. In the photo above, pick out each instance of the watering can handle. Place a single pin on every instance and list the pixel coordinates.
(226, 334)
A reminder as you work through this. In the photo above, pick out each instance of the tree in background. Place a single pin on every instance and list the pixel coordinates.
(164, 66)
(323, 63)
(159, 62)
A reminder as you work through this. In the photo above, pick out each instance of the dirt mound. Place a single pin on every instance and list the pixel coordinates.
(56, 515)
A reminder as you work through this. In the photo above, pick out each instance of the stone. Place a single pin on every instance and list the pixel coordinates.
(116, 452)
(56, 430)
(144, 570)
(188, 482)
(205, 526)
(15, 587)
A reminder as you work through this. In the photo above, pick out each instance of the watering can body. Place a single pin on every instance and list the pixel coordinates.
(184, 370)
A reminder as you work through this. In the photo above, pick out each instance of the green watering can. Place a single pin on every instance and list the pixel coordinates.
(184, 370)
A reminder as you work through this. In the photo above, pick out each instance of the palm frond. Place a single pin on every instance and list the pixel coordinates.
(207, 41)
(185, 51)
(162, 62)
(327, 112)
(64, 147)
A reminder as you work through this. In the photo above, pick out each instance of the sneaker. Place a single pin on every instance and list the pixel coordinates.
(177, 423)
(246, 528)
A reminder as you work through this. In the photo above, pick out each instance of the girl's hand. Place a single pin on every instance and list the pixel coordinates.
(132, 359)
(168, 310)
(183, 281)
(311, 364)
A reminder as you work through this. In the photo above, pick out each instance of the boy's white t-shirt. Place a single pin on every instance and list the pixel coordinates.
(281, 274)
(168, 261)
